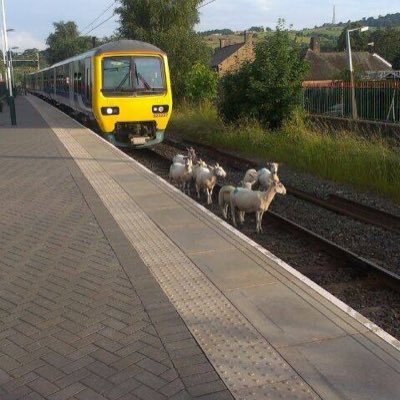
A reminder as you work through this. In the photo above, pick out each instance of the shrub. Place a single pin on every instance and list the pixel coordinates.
(268, 89)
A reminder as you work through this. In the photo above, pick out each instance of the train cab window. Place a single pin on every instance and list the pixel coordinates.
(128, 75)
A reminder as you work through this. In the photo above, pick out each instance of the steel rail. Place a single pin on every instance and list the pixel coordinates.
(335, 203)
(390, 278)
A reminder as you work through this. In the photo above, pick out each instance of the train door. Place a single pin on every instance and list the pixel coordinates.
(71, 84)
(88, 82)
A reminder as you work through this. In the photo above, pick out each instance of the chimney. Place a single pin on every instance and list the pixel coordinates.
(247, 36)
(93, 41)
(222, 43)
(315, 45)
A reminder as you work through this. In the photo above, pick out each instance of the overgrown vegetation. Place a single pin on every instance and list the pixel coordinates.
(201, 83)
(344, 157)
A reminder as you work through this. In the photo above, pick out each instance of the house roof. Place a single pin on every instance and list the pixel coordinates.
(223, 53)
(325, 66)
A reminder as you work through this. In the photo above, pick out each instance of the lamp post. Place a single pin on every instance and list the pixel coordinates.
(10, 93)
(5, 55)
(353, 93)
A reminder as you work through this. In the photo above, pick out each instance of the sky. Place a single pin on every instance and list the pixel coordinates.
(32, 21)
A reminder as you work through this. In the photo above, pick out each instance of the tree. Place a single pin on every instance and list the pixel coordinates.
(256, 29)
(66, 42)
(386, 44)
(359, 40)
(201, 83)
(169, 25)
(269, 89)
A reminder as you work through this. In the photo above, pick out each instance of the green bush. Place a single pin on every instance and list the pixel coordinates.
(201, 83)
(268, 89)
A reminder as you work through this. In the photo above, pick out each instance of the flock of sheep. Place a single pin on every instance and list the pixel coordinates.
(188, 169)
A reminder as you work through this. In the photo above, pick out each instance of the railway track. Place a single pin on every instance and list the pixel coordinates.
(366, 286)
(332, 248)
(333, 203)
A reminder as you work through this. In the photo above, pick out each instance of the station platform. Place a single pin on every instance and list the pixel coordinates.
(115, 285)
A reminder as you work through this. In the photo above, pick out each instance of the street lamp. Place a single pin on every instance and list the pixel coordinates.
(353, 93)
(4, 55)
(10, 97)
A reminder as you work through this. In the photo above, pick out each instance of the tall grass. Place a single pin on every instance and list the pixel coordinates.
(343, 157)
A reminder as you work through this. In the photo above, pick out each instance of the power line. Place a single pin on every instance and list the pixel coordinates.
(101, 23)
(98, 17)
(206, 4)
(107, 19)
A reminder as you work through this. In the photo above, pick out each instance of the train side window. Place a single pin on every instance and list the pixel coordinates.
(79, 83)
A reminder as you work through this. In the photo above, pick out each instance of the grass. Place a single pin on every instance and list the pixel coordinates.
(344, 157)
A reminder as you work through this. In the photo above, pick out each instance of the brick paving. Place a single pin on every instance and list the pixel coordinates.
(81, 317)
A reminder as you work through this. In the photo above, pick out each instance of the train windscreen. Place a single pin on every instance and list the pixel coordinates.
(133, 75)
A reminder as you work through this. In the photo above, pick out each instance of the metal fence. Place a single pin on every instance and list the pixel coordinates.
(376, 100)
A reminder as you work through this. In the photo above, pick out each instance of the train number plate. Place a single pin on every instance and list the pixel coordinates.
(139, 140)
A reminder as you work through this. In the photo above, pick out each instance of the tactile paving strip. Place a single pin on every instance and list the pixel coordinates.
(247, 363)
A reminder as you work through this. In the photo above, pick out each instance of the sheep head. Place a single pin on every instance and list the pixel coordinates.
(277, 185)
(219, 171)
(273, 167)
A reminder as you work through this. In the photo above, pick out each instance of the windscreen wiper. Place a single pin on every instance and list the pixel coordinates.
(124, 79)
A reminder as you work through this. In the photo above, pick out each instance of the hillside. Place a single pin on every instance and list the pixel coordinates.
(328, 33)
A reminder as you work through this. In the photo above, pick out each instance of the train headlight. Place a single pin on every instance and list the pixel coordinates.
(110, 110)
(160, 109)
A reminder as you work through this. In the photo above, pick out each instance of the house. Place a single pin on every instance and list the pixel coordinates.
(227, 58)
(332, 66)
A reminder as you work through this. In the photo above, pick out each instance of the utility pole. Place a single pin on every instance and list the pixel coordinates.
(10, 89)
(353, 92)
(334, 15)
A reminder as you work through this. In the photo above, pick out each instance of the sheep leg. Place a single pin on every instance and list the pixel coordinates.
(241, 217)
(233, 214)
(225, 210)
(260, 223)
(209, 199)
(259, 215)
(198, 190)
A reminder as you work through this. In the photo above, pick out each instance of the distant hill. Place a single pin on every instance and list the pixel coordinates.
(387, 21)
(328, 33)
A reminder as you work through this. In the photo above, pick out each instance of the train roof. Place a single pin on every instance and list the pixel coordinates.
(119, 45)
(125, 45)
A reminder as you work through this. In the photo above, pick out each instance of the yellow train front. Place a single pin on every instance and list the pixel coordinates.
(124, 87)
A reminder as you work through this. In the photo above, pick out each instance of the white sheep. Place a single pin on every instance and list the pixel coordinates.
(180, 158)
(255, 201)
(198, 166)
(250, 176)
(265, 176)
(181, 173)
(207, 178)
(224, 198)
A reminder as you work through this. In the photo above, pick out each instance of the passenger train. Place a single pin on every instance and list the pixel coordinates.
(122, 87)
